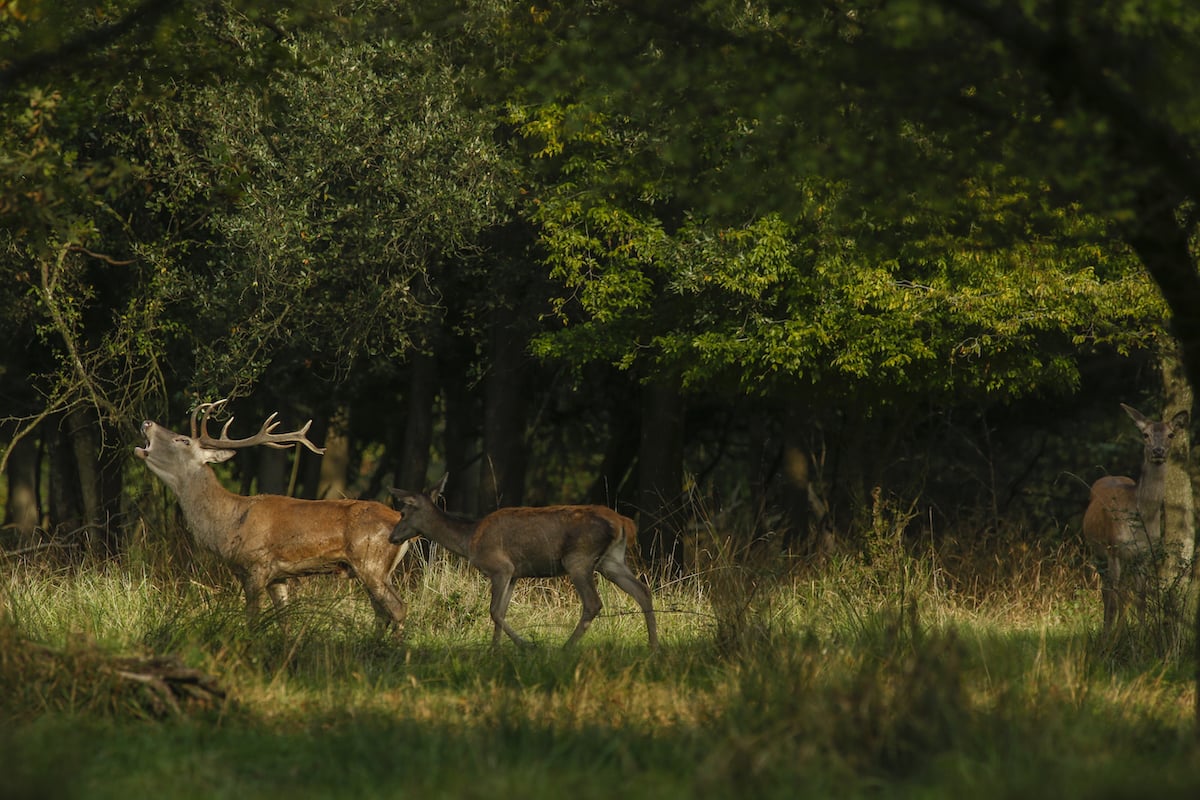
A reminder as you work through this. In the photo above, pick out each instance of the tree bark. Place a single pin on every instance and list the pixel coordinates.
(312, 466)
(65, 503)
(24, 498)
(272, 470)
(1179, 527)
(333, 481)
(1162, 244)
(619, 456)
(412, 472)
(660, 472)
(505, 414)
(85, 447)
(461, 434)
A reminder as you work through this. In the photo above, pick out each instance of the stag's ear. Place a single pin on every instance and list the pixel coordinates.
(1138, 417)
(216, 456)
(437, 491)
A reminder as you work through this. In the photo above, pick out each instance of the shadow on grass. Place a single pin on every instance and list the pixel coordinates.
(886, 704)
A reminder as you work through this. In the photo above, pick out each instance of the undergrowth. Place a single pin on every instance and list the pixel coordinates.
(776, 677)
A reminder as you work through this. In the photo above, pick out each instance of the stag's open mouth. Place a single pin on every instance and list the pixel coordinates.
(144, 452)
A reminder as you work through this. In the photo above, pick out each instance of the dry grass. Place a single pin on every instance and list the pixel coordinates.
(921, 673)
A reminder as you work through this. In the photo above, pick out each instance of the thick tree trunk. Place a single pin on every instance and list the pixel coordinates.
(660, 472)
(461, 435)
(1162, 244)
(65, 503)
(1179, 526)
(83, 430)
(505, 414)
(272, 470)
(309, 484)
(619, 456)
(84, 489)
(333, 481)
(23, 512)
(412, 472)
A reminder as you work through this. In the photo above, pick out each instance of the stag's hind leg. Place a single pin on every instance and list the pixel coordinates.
(583, 578)
(278, 592)
(502, 591)
(619, 573)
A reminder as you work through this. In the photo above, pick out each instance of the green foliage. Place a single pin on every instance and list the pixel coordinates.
(971, 280)
(317, 199)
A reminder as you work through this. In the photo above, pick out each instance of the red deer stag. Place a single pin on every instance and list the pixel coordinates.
(1123, 521)
(267, 538)
(534, 543)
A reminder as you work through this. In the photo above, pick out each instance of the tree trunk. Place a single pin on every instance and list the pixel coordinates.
(334, 478)
(1163, 246)
(83, 430)
(23, 512)
(65, 503)
(619, 456)
(412, 472)
(461, 434)
(505, 414)
(308, 476)
(1179, 528)
(660, 472)
(271, 470)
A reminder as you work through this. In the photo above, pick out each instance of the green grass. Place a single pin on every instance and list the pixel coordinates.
(903, 680)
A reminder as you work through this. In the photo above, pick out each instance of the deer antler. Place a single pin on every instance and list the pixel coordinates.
(264, 435)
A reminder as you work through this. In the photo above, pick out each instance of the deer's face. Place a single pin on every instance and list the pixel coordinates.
(410, 507)
(1158, 437)
(173, 456)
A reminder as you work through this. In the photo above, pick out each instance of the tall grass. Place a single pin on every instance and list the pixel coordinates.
(917, 672)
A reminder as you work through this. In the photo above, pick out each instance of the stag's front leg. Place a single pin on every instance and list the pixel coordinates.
(254, 583)
(390, 610)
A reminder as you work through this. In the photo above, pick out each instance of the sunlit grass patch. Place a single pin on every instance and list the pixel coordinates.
(846, 680)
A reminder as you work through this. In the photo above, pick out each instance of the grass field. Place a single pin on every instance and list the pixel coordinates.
(904, 679)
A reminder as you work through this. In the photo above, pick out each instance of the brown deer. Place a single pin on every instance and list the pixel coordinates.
(267, 538)
(1124, 517)
(545, 542)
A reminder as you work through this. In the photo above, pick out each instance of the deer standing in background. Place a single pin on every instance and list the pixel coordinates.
(267, 538)
(1124, 519)
(545, 542)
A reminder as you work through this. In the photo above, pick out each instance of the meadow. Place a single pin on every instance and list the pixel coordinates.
(910, 676)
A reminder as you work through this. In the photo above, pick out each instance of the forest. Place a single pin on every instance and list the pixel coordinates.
(799, 287)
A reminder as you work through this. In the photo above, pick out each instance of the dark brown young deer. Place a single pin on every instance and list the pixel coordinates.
(1123, 521)
(534, 543)
(266, 538)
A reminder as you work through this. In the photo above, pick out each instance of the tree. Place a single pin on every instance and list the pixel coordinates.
(1085, 109)
(878, 314)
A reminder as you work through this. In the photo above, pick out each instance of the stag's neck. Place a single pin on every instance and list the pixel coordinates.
(211, 511)
(1151, 490)
(452, 533)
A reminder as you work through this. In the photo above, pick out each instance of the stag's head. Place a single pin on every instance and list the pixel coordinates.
(1157, 437)
(175, 457)
(415, 510)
